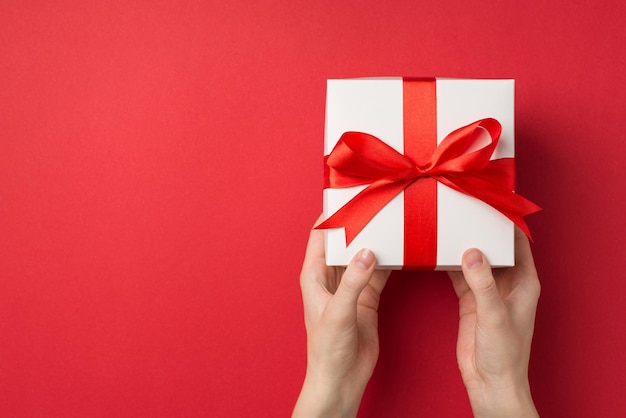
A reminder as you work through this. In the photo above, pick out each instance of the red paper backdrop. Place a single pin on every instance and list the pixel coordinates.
(160, 166)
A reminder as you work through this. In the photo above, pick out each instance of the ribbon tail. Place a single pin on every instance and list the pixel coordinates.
(521, 224)
(500, 172)
(505, 201)
(360, 210)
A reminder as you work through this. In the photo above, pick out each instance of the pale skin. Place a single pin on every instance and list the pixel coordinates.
(496, 323)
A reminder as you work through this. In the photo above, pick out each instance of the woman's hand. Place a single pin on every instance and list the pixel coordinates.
(496, 323)
(341, 319)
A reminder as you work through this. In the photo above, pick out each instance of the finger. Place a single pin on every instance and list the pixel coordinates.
(462, 290)
(370, 296)
(315, 247)
(523, 255)
(523, 281)
(355, 278)
(314, 275)
(458, 283)
(477, 273)
(379, 280)
(527, 286)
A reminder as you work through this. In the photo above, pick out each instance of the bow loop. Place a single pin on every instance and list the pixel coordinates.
(453, 155)
(360, 158)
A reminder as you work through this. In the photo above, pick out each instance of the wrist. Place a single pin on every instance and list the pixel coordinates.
(324, 398)
(514, 401)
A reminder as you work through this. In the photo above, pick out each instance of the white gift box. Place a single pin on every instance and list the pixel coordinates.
(375, 106)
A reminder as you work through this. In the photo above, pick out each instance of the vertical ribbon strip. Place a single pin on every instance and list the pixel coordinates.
(420, 200)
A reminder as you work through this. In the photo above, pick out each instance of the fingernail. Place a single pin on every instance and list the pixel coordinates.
(365, 259)
(473, 259)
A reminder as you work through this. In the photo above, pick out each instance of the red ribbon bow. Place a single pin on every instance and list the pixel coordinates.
(360, 158)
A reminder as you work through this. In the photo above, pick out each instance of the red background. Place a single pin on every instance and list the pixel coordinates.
(160, 166)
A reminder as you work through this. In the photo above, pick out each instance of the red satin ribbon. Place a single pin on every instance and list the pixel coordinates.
(360, 158)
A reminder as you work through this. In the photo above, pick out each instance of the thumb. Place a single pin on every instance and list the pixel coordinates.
(480, 280)
(357, 275)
